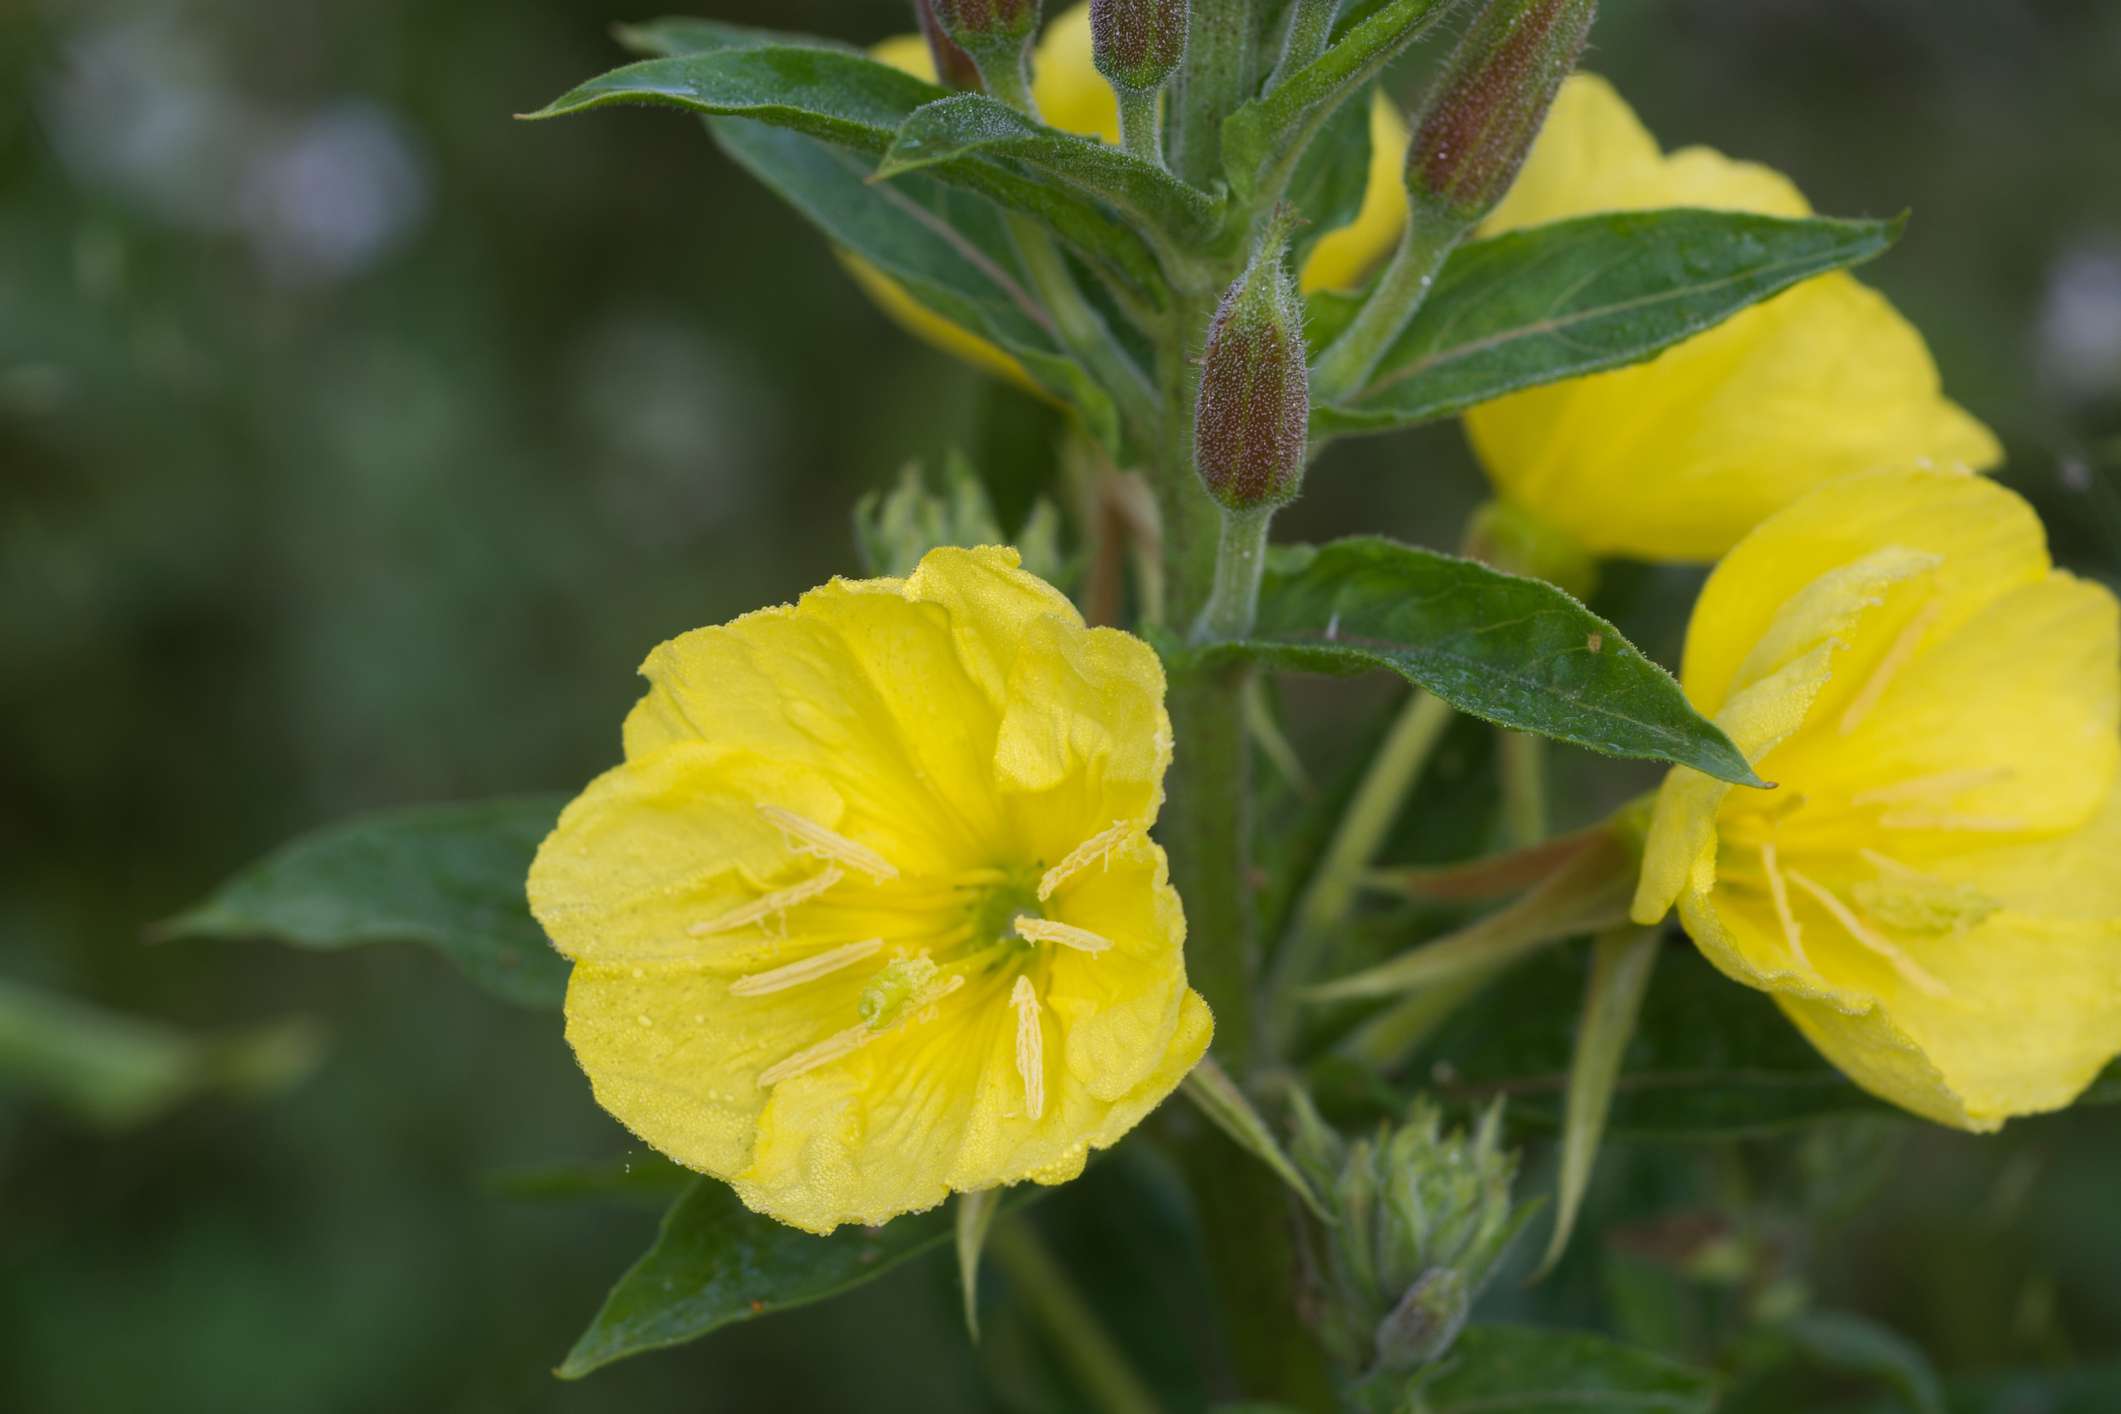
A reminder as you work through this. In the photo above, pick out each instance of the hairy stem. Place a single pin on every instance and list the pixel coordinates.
(1140, 133)
(1240, 562)
(1214, 80)
(1343, 369)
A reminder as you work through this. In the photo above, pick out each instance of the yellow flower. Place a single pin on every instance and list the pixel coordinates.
(1073, 96)
(1931, 892)
(1675, 459)
(869, 914)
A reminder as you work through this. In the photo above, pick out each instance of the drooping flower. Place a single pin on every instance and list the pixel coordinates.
(1073, 96)
(1931, 892)
(1676, 458)
(869, 915)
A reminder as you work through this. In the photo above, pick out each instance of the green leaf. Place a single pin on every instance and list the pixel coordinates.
(854, 102)
(1331, 177)
(1621, 964)
(1507, 649)
(1218, 1097)
(948, 249)
(1845, 1342)
(1523, 1370)
(715, 1262)
(682, 34)
(1577, 297)
(967, 123)
(115, 1071)
(1263, 141)
(448, 876)
(1709, 1059)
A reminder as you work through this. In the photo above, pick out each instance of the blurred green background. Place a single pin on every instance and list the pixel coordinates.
(356, 442)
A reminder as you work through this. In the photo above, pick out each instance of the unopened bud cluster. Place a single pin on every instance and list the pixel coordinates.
(1252, 420)
(1422, 1219)
(1136, 44)
(1473, 134)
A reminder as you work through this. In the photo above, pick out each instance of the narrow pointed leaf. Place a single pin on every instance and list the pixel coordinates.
(853, 102)
(715, 1262)
(967, 123)
(1621, 964)
(1579, 297)
(1589, 893)
(1264, 140)
(1210, 1087)
(975, 1215)
(1511, 650)
(449, 877)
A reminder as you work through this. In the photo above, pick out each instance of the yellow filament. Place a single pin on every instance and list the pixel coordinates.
(1892, 953)
(771, 905)
(813, 838)
(808, 969)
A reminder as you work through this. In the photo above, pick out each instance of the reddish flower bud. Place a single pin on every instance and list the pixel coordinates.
(978, 24)
(1136, 44)
(953, 66)
(1493, 97)
(1251, 424)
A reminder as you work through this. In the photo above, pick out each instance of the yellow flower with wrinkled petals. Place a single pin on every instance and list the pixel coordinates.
(1932, 892)
(870, 915)
(1676, 458)
(1074, 97)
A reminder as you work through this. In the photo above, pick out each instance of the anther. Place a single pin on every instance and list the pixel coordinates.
(1892, 953)
(808, 969)
(1778, 889)
(1030, 1045)
(1889, 666)
(1098, 847)
(813, 838)
(840, 1043)
(1067, 935)
(771, 905)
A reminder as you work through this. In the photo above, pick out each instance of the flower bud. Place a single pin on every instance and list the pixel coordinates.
(1493, 97)
(980, 24)
(1136, 44)
(1252, 420)
(953, 66)
(895, 530)
(1422, 1219)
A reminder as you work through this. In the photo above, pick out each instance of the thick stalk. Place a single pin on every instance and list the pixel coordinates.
(1214, 80)
(1240, 562)
(1068, 1321)
(1082, 329)
(1304, 36)
(1524, 787)
(1139, 132)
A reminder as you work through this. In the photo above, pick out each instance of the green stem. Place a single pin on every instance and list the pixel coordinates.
(1524, 787)
(1081, 328)
(1007, 74)
(1391, 778)
(1240, 563)
(1043, 1285)
(1139, 131)
(1215, 78)
(1304, 38)
(1208, 830)
(1345, 366)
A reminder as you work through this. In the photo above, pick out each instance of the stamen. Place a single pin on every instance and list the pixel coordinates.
(1792, 933)
(1887, 864)
(815, 839)
(767, 906)
(1976, 824)
(1098, 847)
(1030, 1045)
(1901, 962)
(1047, 930)
(1896, 658)
(809, 969)
(840, 1043)
(1923, 787)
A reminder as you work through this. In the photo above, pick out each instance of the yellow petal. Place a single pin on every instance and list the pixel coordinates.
(1677, 458)
(1984, 539)
(934, 330)
(1115, 1008)
(654, 847)
(860, 685)
(2006, 725)
(992, 603)
(1071, 94)
(1085, 738)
